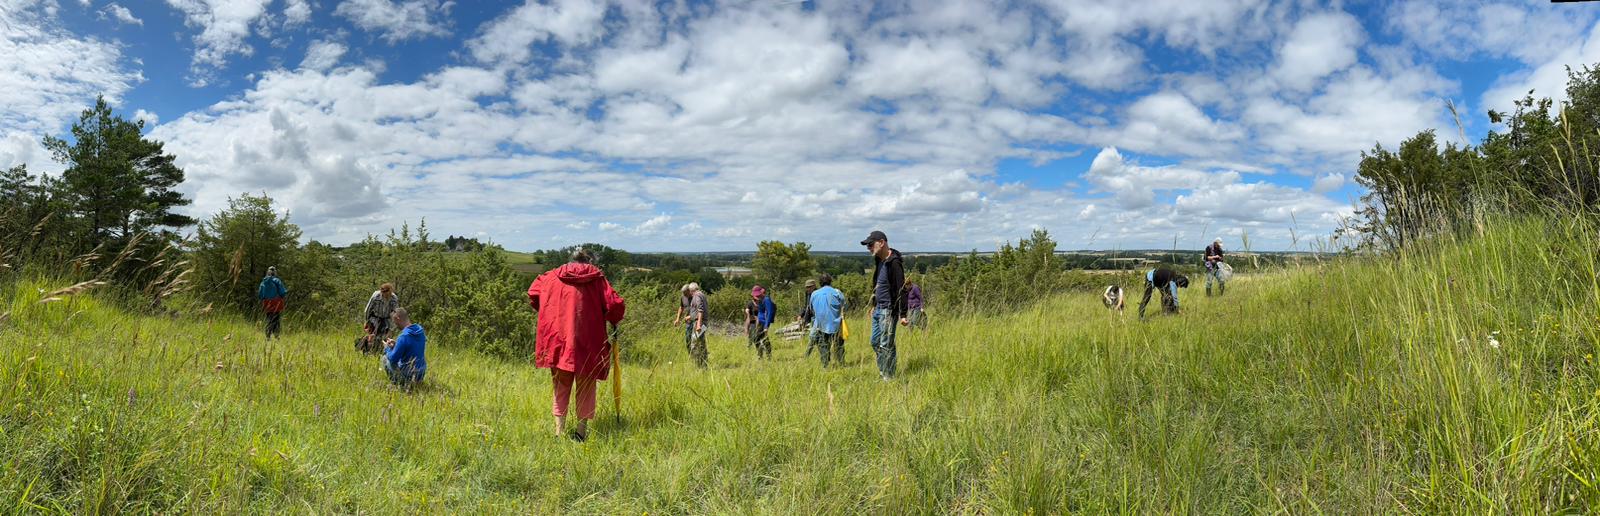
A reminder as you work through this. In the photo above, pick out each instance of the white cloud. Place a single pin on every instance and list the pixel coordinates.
(511, 37)
(47, 78)
(121, 14)
(1135, 187)
(296, 12)
(1320, 44)
(150, 119)
(1327, 183)
(224, 26)
(1168, 123)
(1548, 78)
(733, 122)
(398, 21)
(323, 54)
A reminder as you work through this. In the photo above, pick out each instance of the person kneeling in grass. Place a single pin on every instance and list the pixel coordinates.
(403, 357)
(573, 303)
(1168, 282)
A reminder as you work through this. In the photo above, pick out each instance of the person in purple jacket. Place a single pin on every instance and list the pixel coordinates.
(914, 306)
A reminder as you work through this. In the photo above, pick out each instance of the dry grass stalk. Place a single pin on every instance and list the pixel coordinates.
(67, 292)
(37, 228)
(127, 250)
(236, 265)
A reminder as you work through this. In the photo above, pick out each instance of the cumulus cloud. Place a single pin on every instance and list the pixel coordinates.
(121, 14)
(1320, 44)
(224, 25)
(397, 21)
(47, 77)
(1549, 77)
(323, 54)
(511, 37)
(672, 126)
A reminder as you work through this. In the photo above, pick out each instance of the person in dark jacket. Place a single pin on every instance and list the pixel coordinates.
(888, 299)
(271, 292)
(806, 313)
(1168, 282)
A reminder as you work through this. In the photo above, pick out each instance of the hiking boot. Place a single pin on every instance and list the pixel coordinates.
(577, 436)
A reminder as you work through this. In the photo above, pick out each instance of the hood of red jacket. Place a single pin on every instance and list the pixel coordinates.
(578, 273)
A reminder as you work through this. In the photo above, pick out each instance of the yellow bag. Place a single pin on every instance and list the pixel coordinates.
(844, 330)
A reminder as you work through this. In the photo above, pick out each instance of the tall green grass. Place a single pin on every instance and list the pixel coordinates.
(1360, 385)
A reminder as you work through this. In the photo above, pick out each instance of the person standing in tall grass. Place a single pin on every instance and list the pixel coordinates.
(914, 305)
(888, 300)
(1168, 282)
(271, 292)
(827, 312)
(573, 303)
(380, 305)
(1214, 267)
(759, 313)
(695, 325)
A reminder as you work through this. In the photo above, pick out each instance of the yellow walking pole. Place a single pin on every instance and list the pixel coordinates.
(616, 377)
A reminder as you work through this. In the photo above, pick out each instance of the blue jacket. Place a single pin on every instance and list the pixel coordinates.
(408, 350)
(768, 312)
(827, 307)
(271, 288)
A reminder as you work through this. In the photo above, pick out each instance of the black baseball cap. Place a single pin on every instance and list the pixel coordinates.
(876, 236)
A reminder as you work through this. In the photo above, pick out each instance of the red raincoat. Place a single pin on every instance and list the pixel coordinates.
(574, 302)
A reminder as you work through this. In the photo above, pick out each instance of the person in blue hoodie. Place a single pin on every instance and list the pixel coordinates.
(759, 313)
(827, 313)
(271, 292)
(403, 357)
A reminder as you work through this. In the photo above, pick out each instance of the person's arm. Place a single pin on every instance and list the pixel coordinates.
(616, 307)
(365, 312)
(533, 294)
(700, 312)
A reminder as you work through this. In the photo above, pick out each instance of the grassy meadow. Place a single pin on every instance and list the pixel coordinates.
(1456, 377)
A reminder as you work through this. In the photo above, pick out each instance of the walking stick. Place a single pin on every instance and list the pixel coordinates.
(616, 376)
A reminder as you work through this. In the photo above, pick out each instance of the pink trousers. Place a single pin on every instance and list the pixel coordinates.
(563, 381)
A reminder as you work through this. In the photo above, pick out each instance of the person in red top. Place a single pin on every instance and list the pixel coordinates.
(573, 303)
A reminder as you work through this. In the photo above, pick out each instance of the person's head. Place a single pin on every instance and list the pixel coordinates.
(825, 279)
(387, 289)
(691, 288)
(757, 291)
(1183, 281)
(581, 255)
(401, 317)
(811, 285)
(272, 271)
(877, 244)
(1217, 242)
(684, 290)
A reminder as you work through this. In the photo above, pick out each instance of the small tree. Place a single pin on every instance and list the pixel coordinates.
(781, 263)
(118, 182)
(234, 248)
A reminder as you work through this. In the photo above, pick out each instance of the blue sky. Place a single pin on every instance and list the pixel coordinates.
(682, 126)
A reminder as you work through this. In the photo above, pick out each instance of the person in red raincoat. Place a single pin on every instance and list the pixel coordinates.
(573, 304)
